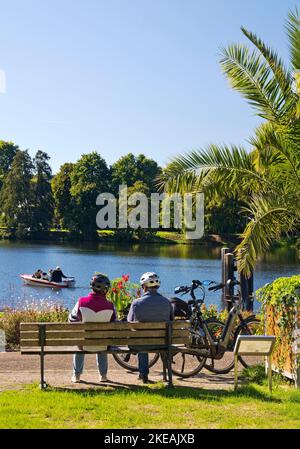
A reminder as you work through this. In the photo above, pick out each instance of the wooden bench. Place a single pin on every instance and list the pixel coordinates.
(118, 337)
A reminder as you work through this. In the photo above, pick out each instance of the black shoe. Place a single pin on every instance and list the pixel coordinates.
(144, 379)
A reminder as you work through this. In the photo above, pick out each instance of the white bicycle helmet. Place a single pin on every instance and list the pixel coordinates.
(150, 279)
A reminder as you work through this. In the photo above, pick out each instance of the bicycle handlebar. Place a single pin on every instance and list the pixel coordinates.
(230, 283)
(187, 289)
(216, 287)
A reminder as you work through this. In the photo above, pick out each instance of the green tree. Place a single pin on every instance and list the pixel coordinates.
(223, 215)
(8, 151)
(16, 194)
(42, 193)
(63, 200)
(89, 177)
(139, 233)
(267, 178)
(129, 169)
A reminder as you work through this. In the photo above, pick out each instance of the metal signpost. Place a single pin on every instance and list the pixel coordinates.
(254, 345)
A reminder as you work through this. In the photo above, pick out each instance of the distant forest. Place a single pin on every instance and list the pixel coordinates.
(34, 201)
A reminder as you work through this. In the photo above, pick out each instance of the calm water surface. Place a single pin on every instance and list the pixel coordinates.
(176, 264)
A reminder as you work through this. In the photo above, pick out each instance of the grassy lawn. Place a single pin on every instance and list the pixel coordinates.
(152, 407)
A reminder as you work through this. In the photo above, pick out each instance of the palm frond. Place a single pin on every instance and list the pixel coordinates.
(276, 153)
(251, 75)
(222, 168)
(282, 75)
(269, 220)
(175, 178)
(293, 32)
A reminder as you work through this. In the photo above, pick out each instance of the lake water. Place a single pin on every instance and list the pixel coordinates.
(176, 265)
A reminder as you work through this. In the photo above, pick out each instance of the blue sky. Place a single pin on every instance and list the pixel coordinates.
(121, 76)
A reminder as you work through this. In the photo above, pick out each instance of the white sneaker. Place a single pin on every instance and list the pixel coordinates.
(75, 378)
(103, 378)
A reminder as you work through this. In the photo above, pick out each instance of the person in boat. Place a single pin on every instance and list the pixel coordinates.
(93, 308)
(38, 274)
(57, 275)
(151, 306)
(45, 277)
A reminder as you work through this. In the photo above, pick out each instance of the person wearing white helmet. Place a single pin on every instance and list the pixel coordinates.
(151, 306)
(57, 275)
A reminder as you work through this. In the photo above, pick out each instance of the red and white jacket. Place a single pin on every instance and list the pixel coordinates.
(93, 308)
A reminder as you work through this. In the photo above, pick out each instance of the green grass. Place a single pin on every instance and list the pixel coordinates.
(152, 407)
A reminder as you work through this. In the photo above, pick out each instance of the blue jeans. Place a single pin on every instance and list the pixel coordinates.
(78, 362)
(143, 358)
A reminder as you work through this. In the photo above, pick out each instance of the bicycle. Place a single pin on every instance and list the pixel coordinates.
(211, 339)
(130, 361)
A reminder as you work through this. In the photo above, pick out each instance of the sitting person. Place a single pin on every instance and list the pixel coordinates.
(57, 275)
(93, 308)
(151, 306)
(38, 274)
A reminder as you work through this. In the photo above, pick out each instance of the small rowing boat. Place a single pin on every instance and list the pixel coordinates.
(30, 280)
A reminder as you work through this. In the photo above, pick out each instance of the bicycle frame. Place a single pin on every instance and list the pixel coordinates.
(224, 341)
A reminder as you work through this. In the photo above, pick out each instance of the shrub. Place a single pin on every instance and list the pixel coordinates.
(280, 307)
(10, 319)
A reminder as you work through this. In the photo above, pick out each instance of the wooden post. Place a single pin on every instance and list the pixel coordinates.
(246, 290)
(224, 251)
(229, 274)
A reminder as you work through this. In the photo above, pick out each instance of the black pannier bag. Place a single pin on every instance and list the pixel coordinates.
(181, 308)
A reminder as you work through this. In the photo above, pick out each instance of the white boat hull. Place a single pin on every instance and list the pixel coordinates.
(34, 282)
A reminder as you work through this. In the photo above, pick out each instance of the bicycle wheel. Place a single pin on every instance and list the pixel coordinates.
(225, 361)
(187, 365)
(251, 327)
(130, 361)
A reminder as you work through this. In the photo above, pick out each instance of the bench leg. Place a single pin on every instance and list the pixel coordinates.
(164, 362)
(43, 384)
(170, 374)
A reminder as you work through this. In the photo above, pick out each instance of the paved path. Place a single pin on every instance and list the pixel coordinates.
(17, 370)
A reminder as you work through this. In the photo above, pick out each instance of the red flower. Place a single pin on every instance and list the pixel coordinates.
(125, 277)
(114, 290)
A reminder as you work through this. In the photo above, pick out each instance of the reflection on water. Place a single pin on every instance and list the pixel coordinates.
(176, 264)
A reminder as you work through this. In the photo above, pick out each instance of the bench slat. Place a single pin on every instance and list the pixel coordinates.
(93, 326)
(28, 335)
(113, 350)
(96, 342)
(73, 350)
(104, 326)
(104, 342)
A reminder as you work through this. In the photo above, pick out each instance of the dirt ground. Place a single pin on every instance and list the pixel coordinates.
(17, 370)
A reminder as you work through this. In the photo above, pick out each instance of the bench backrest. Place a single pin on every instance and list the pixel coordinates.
(106, 334)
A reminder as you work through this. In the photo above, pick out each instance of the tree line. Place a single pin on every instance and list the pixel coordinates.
(34, 200)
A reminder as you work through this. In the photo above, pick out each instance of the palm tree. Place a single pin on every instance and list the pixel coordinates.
(267, 178)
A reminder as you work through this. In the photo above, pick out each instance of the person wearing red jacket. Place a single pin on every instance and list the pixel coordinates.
(93, 308)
